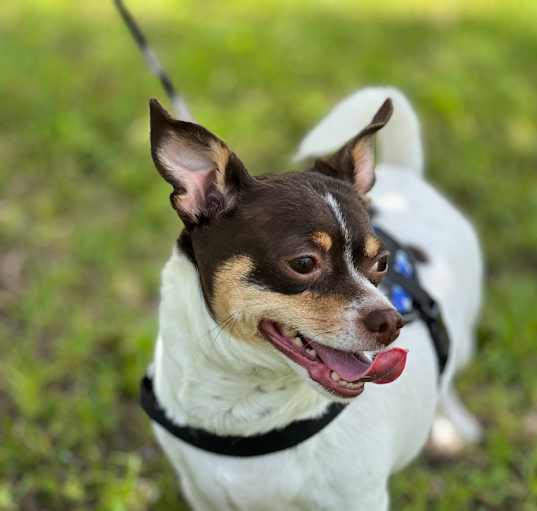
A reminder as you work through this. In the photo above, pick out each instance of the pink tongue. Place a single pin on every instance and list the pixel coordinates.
(347, 365)
(386, 367)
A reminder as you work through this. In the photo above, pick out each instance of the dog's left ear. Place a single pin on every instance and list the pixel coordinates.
(355, 161)
(205, 174)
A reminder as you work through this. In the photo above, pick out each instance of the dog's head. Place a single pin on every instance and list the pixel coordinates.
(287, 259)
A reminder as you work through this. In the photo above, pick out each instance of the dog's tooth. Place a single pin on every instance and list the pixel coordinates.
(353, 385)
(297, 341)
(289, 332)
(365, 356)
(311, 352)
(343, 383)
(335, 376)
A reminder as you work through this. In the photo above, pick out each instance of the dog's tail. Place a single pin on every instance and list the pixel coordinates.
(179, 106)
(399, 143)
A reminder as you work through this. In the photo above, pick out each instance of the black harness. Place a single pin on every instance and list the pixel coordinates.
(401, 285)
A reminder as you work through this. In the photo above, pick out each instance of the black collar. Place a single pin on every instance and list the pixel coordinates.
(240, 446)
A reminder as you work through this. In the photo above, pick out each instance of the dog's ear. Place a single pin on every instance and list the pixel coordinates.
(205, 174)
(355, 161)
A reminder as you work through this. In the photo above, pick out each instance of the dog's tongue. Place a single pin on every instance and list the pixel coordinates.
(386, 367)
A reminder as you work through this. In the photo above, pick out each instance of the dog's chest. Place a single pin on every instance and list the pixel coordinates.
(348, 462)
(316, 475)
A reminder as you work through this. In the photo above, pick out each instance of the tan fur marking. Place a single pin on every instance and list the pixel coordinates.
(220, 156)
(372, 246)
(358, 151)
(229, 277)
(322, 239)
(363, 159)
(240, 305)
(361, 154)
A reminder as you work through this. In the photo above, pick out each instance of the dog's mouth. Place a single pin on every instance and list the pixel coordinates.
(342, 373)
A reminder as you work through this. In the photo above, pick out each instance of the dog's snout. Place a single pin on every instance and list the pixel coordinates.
(385, 324)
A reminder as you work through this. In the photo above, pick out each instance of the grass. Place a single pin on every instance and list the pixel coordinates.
(86, 226)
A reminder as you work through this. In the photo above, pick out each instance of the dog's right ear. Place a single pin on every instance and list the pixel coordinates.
(205, 174)
(355, 161)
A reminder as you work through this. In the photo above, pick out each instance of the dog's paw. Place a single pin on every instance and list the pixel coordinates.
(449, 437)
(466, 426)
(445, 441)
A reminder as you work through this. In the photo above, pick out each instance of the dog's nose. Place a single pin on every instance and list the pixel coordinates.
(385, 323)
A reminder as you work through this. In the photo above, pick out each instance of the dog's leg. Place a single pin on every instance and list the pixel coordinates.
(454, 427)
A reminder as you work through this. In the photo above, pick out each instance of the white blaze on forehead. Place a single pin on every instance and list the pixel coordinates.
(372, 297)
(347, 250)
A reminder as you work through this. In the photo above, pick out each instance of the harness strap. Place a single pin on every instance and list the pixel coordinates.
(429, 312)
(423, 303)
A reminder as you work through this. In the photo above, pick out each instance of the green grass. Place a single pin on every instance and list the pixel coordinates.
(85, 224)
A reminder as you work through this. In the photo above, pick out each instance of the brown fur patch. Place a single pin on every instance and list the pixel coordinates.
(372, 246)
(322, 239)
(239, 305)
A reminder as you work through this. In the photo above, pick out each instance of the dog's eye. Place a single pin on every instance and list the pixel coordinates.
(381, 264)
(303, 265)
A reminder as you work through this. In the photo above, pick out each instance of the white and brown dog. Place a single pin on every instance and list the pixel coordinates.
(271, 311)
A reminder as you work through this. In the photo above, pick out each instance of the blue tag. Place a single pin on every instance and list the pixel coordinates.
(402, 264)
(401, 300)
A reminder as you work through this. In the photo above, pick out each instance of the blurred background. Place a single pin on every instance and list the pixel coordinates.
(85, 223)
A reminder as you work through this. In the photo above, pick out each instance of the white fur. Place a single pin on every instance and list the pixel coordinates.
(347, 254)
(205, 378)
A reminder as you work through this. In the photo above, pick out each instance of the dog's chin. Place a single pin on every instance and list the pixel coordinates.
(340, 374)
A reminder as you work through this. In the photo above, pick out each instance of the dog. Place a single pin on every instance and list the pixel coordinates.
(271, 312)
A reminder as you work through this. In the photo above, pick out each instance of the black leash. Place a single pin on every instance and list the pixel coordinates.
(179, 105)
